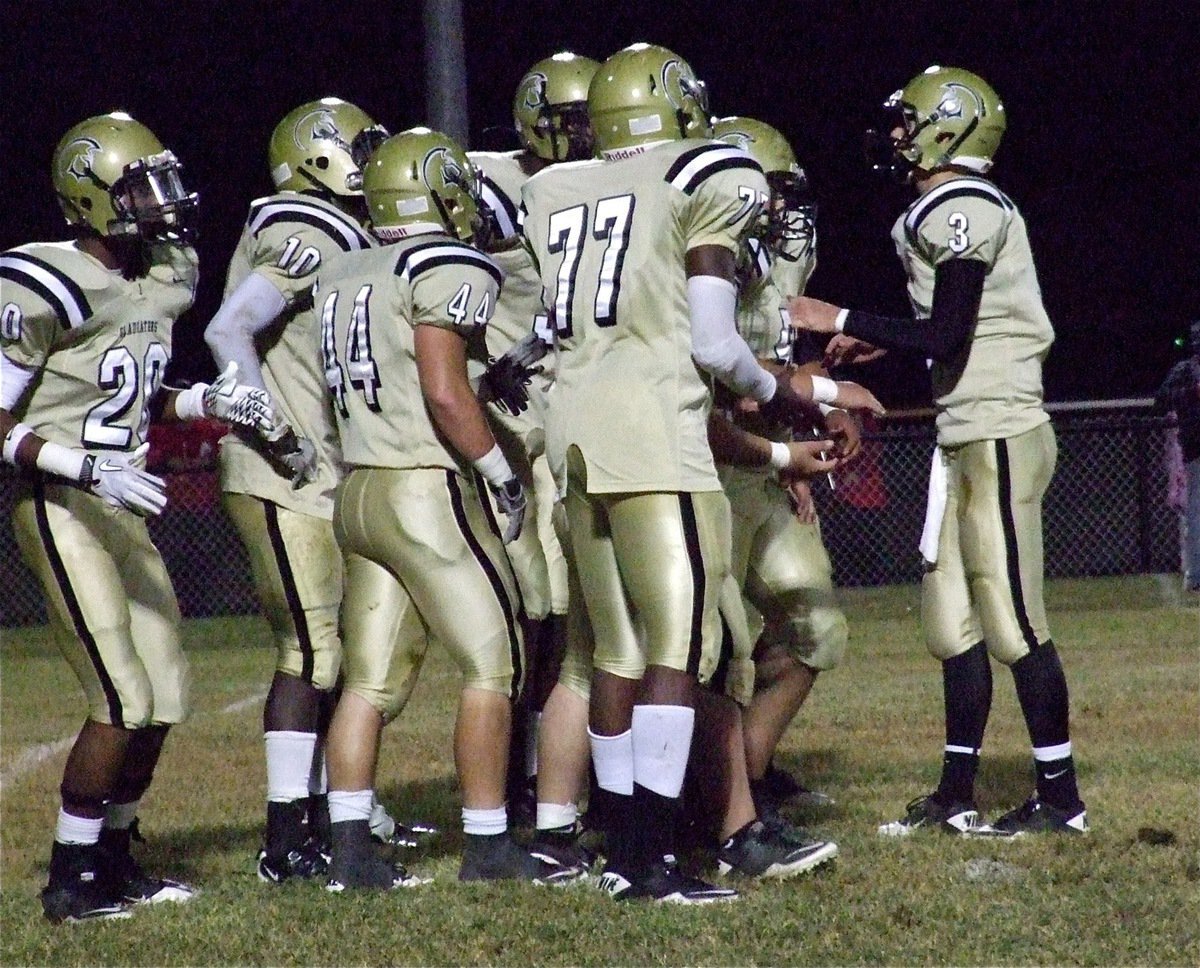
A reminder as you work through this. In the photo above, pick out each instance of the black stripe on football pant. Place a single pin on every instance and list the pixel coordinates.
(493, 577)
(115, 710)
(288, 579)
(914, 221)
(691, 539)
(494, 525)
(463, 259)
(36, 286)
(72, 287)
(291, 203)
(724, 164)
(315, 221)
(720, 675)
(1011, 558)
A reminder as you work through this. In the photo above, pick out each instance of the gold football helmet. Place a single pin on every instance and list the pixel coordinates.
(791, 212)
(421, 181)
(322, 146)
(112, 176)
(948, 118)
(550, 108)
(644, 94)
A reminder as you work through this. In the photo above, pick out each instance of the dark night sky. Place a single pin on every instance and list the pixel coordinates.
(1101, 153)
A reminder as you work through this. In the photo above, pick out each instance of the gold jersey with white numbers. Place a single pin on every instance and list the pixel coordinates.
(610, 238)
(369, 305)
(99, 343)
(994, 388)
(286, 239)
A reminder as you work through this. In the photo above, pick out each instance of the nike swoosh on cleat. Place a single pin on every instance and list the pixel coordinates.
(1055, 776)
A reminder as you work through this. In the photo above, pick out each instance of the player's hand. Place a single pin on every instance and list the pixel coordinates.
(854, 396)
(121, 480)
(239, 404)
(808, 459)
(843, 350)
(510, 498)
(295, 455)
(504, 383)
(801, 499)
(813, 315)
(846, 434)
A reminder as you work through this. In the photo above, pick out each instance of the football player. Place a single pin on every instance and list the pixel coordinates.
(778, 556)
(980, 318)
(550, 117)
(278, 487)
(424, 556)
(84, 343)
(636, 256)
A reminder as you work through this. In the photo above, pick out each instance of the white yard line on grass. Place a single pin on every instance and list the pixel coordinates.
(33, 757)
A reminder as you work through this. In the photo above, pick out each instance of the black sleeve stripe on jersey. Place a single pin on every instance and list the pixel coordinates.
(444, 252)
(502, 205)
(699, 164)
(53, 285)
(342, 229)
(952, 191)
(344, 241)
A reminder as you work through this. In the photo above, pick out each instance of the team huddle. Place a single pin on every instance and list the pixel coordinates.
(554, 410)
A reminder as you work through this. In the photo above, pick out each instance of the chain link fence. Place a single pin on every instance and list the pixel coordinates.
(1105, 513)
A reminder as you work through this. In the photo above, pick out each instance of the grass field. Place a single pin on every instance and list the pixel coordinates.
(870, 736)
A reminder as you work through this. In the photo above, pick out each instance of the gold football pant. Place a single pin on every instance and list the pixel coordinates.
(987, 583)
(297, 570)
(650, 566)
(112, 608)
(423, 562)
(785, 572)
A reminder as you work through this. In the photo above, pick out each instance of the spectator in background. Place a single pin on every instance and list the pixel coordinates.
(1180, 392)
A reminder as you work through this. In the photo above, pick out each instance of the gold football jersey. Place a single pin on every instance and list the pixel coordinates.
(610, 239)
(286, 239)
(369, 304)
(994, 389)
(102, 342)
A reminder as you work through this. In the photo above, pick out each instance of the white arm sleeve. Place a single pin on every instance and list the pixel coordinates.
(13, 381)
(716, 346)
(250, 309)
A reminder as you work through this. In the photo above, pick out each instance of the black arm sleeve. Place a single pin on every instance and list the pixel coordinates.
(957, 289)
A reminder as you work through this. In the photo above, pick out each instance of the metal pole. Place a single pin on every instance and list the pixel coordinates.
(446, 69)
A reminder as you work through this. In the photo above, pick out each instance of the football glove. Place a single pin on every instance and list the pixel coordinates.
(505, 380)
(121, 480)
(295, 455)
(510, 498)
(239, 404)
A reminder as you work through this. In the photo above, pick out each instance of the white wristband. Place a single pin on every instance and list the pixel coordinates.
(63, 461)
(12, 440)
(189, 403)
(826, 409)
(781, 456)
(824, 390)
(493, 466)
(839, 324)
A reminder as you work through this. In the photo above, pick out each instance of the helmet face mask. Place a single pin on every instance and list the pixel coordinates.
(320, 146)
(114, 178)
(550, 108)
(421, 181)
(944, 118)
